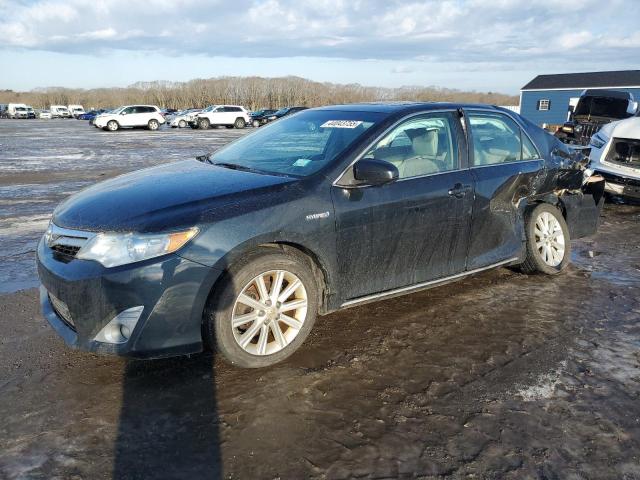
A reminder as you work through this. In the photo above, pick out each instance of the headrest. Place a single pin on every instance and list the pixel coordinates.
(424, 141)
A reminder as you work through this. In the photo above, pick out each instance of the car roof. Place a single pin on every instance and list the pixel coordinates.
(398, 107)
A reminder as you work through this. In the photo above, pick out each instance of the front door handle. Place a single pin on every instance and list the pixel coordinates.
(459, 190)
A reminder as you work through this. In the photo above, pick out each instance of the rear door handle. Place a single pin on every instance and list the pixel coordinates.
(459, 190)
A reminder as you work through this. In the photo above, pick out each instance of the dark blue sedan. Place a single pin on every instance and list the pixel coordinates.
(332, 207)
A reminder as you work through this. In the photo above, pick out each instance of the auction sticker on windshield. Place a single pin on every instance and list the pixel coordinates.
(341, 124)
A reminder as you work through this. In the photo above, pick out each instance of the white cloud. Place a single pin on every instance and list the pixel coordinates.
(471, 32)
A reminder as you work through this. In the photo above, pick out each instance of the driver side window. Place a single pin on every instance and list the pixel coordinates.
(420, 146)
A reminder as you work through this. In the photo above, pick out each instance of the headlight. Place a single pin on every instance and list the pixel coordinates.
(567, 128)
(599, 140)
(113, 249)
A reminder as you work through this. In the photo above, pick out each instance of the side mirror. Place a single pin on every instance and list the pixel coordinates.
(632, 108)
(123, 113)
(375, 172)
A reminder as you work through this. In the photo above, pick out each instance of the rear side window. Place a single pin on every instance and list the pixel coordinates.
(498, 139)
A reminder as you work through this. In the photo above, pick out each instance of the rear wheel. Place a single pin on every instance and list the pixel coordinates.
(153, 124)
(204, 124)
(112, 125)
(264, 310)
(239, 123)
(548, 243)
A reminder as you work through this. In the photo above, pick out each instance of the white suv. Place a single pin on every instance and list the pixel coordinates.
(130, 116)
(228, 115)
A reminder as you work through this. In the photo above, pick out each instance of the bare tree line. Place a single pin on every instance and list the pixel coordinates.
(252, 92)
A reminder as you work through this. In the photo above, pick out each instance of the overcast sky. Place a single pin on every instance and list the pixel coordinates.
(488, 45)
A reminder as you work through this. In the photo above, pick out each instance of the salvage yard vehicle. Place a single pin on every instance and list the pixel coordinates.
(260, 117)
(333, 207)
(130, 116)
(76, 111)
(594, 109)
(615, 155)
(17, 111)
(182, 119)
(59, 111)
(283, 112)
(231, 116)
(44, 114)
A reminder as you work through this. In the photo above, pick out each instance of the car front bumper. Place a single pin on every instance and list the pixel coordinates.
(622, 186)
(79, 298)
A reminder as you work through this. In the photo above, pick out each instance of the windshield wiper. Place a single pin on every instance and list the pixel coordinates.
(235, 166)
(206, 158)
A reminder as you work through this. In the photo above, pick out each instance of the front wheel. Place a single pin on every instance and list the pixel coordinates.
(548, 242)
(153, 125)
(264, 310)
(182, 123)
(239, 123)
(204, 124)
(256, 123)
(112, 126)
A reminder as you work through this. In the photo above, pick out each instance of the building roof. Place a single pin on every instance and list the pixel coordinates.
(620, 78)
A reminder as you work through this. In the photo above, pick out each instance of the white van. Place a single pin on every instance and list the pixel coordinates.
(17, 110)
(76, 110)
(59, 111)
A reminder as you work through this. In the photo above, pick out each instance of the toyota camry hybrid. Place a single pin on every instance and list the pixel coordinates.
(241, 249)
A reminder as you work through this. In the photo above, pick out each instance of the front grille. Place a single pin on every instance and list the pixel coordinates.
(62, 311)
(66, 250)
(588, 131)
(66, 243)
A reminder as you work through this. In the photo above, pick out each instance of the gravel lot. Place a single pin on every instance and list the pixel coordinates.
(499, 376)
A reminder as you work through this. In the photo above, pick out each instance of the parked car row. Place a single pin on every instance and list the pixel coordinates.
(17, 111)
(152, 117)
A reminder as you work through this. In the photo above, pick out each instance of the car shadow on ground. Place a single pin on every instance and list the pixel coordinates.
(169, 421)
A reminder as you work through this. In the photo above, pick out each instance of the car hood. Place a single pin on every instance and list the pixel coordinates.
(629, 128)
(171, 196)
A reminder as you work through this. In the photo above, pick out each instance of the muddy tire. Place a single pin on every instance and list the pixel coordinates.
(548, 244)
(204, 124)
(112, 126)
(239, 123)
(263, 310)
(182, 124)
(153, 125)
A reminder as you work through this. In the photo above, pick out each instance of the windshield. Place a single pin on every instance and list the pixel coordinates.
(210, 108)
(298, 145)
(282, 111)
(602, 107)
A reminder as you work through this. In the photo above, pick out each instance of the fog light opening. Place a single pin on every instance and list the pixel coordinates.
(119, 329)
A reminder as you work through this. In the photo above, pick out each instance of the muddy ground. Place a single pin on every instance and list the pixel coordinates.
(501, 375)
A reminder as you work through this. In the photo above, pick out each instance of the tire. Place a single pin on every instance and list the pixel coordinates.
(153, 125)
(112, 126)
(239, 123)
(225, 306)
(256, 123)
(543, 236)
(182, 124)
(204, 124)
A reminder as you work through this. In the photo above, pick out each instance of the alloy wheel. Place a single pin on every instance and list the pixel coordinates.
(269, 312)
(550, 241)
